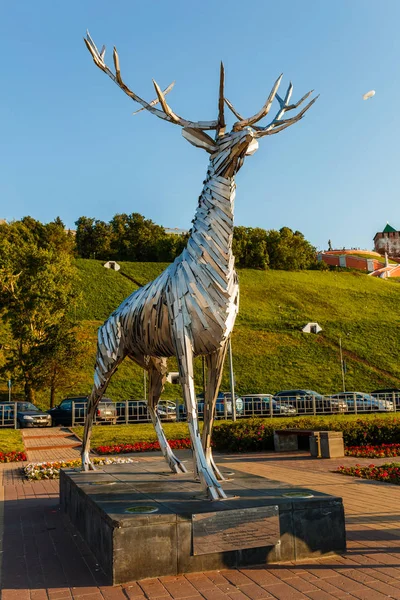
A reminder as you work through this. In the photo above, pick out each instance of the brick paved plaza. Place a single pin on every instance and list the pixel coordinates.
(42, 557)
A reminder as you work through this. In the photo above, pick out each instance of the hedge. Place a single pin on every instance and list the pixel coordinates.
(255, 435)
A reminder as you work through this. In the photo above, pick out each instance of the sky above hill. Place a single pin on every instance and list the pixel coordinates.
(69, 145)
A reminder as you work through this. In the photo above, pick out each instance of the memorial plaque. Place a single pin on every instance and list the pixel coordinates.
(227, 530)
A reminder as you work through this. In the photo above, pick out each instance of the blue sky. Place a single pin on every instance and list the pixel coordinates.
(69, 145)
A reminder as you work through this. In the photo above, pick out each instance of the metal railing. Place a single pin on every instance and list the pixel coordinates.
(8, 415)
(265, 406)
(299, 405)
(252, 405)
(126, 412)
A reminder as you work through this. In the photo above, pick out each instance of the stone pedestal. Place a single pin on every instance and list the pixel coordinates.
(332, 445)
(186, 532)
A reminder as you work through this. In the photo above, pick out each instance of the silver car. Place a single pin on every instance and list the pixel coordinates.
(364, 402)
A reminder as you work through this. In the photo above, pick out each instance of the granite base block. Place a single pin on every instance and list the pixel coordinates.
(133, 546)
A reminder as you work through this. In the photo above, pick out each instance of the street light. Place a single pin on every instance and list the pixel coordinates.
(342, 365)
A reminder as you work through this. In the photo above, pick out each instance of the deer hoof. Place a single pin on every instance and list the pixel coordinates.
(211, 485)
(215, 492)
(87, 464)
(176, 465)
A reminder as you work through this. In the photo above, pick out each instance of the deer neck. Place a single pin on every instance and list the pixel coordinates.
(211, 236)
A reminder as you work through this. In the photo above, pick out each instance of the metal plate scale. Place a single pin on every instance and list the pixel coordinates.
(239, 529)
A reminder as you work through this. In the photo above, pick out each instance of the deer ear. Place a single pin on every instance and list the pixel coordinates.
(198, 138)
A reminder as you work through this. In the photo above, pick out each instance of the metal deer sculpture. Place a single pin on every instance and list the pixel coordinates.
(190, 309)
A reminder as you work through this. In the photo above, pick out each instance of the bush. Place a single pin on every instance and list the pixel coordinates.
(255, 435)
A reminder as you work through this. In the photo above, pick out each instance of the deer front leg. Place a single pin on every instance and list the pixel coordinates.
(87, 464)
(204, 470)
(104, 369)
(215, 365)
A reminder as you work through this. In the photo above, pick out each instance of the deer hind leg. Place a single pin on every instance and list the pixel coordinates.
(184, 354)
(215, 365)
(157, 369)
(107, 361)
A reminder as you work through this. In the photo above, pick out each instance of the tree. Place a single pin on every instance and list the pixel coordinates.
(138, 239)
(37, 282)
(250, 247)
(60, 356)
(289, 250)
(93, 238)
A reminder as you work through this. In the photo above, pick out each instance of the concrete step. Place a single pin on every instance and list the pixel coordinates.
(52, 447)
(59, 436)
(56, 438)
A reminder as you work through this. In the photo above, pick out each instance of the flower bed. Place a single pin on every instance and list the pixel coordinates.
(389, 472)
(381, 451)
(51, 470)
(142, 447)
(7, 457)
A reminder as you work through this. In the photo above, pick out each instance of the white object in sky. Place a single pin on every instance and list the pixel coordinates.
(369, 95)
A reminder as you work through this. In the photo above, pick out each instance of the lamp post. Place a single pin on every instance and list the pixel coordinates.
(342, 364)
(232, 380)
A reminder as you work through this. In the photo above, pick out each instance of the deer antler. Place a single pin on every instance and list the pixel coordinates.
(263, 112)
(156, 100)
(276, 124)
(166, 113)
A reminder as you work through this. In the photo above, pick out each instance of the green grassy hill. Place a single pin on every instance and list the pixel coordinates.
(270, 351)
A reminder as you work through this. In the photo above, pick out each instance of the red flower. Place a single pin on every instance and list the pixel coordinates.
(142, 447)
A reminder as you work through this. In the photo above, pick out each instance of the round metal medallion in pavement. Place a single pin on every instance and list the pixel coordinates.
(140, 509)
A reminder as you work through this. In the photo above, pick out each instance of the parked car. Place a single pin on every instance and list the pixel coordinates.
(305, 401)
(28, 415)
(392, 394)
(106, 411)
(223, 399)
(166, 410)
(137, 411)
(364, 402)
(265, 404)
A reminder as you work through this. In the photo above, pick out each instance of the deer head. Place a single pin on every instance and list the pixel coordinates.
(227, 149)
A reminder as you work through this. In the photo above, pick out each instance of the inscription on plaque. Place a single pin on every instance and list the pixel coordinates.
(235, 529)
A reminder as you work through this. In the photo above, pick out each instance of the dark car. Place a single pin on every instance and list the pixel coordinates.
(72, 411)
(309, 401)
(223, 405)
(28, 415)
(266, 405)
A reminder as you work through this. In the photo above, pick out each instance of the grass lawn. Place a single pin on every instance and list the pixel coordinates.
(104, 435)
(11, 440)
